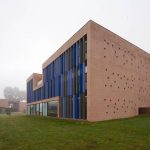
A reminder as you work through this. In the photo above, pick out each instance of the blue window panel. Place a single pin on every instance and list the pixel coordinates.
(34, 95)
(27, 92)
(76, 107)
(53, 70)
(48, 72)
(78, 91)
(35, 99)
(83, 78)
(49, 91)
(71, 92)
(38, 94)
(46, 90)
(77, 50)
(61, 85)
(45, 74)
(74, 55)
(30, 84)
(41, 93)
(28, 98)
(67, 62)
(30, 90)
(58, 86)
(47, 68)
(54, 88)
(64, 62)
(80, 79)
(57, 67)
(61, 64)
(67, 83)
(30, 93)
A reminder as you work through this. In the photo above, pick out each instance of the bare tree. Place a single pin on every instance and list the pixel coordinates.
(14, 94)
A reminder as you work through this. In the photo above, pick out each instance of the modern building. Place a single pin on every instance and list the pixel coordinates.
(96, 75)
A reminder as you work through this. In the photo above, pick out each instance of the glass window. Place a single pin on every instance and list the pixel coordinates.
(44, 109)
(52, 108)
(41, 109)
(32, 109)
(37, 109)
(28, 110)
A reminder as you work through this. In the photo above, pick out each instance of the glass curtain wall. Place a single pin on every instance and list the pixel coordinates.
(66, 77)
(52, 108)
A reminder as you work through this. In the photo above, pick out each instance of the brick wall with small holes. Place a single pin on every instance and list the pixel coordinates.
(119, 76)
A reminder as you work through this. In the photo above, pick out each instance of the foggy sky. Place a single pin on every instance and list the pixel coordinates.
(32, 30)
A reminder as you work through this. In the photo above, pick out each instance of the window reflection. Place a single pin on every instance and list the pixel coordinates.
(52, 108)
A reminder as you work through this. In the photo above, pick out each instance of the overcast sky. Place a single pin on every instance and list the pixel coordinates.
(32, 30)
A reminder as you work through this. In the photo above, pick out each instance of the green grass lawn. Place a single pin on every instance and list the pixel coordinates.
(40, 133)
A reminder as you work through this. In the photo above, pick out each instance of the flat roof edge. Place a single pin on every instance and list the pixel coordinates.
(32, 76)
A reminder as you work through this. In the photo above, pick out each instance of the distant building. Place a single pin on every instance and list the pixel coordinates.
(16, 106)
(96, 75)
(4, 103)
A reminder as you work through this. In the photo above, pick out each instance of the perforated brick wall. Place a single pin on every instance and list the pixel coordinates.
(119, 76)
